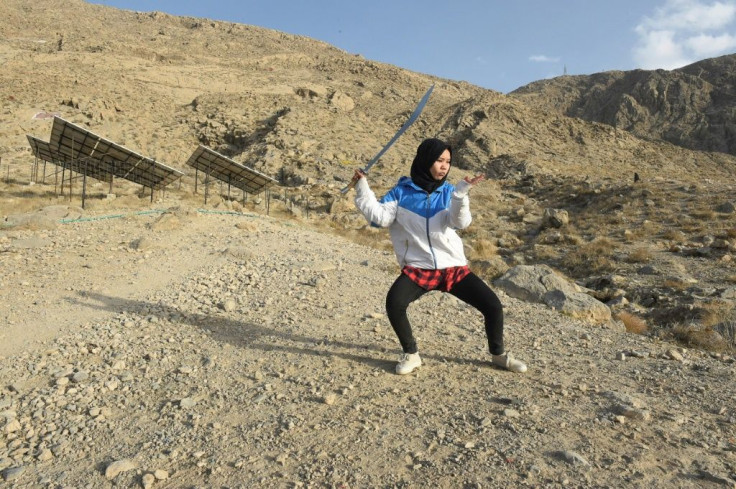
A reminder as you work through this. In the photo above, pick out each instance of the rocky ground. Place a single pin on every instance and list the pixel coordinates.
(235, 349)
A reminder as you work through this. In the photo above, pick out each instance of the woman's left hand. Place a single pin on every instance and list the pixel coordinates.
(475, 179)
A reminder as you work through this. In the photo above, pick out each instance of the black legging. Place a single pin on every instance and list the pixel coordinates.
(471, 290)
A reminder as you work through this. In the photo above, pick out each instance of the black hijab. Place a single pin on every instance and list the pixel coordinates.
(427, 153)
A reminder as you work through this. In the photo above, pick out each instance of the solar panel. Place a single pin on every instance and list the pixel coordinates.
(226, 170)
(42, 150)
(74, 143)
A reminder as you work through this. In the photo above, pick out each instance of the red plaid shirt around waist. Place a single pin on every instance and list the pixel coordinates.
(443, 279)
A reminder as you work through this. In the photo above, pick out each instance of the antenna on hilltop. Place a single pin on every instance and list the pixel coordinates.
(564, 70)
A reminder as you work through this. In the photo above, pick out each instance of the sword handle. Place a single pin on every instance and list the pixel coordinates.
(352, 183)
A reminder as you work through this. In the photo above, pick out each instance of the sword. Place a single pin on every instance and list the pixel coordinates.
(401, 131)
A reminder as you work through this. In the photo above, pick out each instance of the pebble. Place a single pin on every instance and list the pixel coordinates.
(148, 480)
(13, 473)
(187, 403)
(511, 413)
(80, 376)
(674, 355)
(118, 467)
(574, 458)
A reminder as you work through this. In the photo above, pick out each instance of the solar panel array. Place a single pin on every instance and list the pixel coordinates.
(86, 152)
(226, 170)
(42, 150)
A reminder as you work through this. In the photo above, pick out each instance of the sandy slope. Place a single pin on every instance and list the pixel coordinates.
(240, 350)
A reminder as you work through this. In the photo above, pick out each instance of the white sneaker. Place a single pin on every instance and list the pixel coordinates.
(505, 360)
(408, 362)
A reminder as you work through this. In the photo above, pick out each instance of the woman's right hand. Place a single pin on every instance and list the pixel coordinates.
(357, 176)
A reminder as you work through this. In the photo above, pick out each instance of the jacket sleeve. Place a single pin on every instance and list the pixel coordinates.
(460, 217)
(381, 214)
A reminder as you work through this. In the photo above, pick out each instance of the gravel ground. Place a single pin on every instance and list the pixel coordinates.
(238, 350)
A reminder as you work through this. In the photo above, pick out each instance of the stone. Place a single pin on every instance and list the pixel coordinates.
(531, 282)
(13, 473)
(118, 467)
(148, 480)
(555, 218)
(578, 305)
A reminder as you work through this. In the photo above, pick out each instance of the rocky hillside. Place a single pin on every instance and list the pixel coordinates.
(691, 106)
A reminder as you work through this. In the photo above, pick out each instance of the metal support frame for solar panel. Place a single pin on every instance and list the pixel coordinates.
(76, 143)
(226, 170)
(84, 166)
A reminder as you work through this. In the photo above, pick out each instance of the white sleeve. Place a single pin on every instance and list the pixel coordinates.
(460, 217)
(380, 214)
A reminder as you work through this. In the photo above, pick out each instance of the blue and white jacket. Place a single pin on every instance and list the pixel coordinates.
(422, 226)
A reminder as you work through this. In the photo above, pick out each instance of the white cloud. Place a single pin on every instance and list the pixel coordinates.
(705, 45)
(691, 15)
(540, 58)
(684, 31)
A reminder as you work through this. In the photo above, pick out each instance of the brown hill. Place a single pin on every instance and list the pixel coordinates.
(691, 106)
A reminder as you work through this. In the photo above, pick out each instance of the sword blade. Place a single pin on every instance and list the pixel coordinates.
(413, 117)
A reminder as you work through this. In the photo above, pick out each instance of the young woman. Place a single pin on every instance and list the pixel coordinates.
(422, 213)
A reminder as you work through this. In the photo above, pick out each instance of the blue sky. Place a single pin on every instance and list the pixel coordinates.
(496, 44)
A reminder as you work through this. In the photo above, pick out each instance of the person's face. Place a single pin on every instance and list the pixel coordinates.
(439, 168)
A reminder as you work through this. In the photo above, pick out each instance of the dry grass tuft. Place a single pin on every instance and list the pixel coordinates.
(482, 249)
(595, 257)
(675, 235)
(640, 255)
(706, 338)
(676, 284)
(634, 324)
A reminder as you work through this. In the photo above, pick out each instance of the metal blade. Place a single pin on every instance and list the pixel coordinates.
(413, 117)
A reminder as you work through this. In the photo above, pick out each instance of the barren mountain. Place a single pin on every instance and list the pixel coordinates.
(158, 341)
(691, 106)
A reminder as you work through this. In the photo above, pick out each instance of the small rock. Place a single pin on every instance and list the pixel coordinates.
(45, 455)
(148, 480)
(161, 475)
(574, 458)
(13, 473)
(187, 403)
(118, 467)
(673, 354)
(511, 413)
(12, 426)
(80, 376)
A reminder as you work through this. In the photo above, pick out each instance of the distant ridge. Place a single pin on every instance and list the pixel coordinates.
(693, 107)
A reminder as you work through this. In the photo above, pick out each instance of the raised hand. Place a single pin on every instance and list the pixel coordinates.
(475, 179)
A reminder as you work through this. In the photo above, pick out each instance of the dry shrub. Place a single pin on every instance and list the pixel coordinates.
(676, 284)
(484, 249)
(703, 337)
(708, 214)
(674, 235)
(634, 324)
(715, 330)
(640, 255)
(593, 257)
(546, 253)
(731, 278)
(731, 233)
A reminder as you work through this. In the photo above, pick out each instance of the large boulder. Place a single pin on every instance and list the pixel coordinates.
(578, 305)
(540, 283)
(531, 282)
